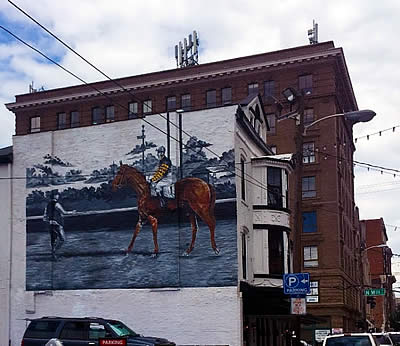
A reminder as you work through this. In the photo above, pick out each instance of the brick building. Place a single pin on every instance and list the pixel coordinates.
(326, 242)
(380, 273)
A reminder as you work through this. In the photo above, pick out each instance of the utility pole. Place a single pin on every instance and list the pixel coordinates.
(142, 137)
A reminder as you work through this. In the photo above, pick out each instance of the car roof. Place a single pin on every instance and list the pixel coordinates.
(69, 318)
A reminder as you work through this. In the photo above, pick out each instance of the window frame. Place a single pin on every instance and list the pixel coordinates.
(306, 83)
(312, 227)
(274, 193)
(308, 117)
(184, 100)
(97, 118)
(132, 106)
(252, 88)
(224, 99)
(242, 178)
(72, 115)
(305, 182)
(271, 118)
(61, 124)
(269, 89)
(309, 153)
(109, 118)
(211, 98)
(172, 100)
(310, 256)
(148, 106)
(35, 120)
(276, 257)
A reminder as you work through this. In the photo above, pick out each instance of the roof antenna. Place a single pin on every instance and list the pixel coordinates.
(313, 33)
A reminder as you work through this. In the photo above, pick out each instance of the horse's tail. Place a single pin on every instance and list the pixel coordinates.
(213, 196)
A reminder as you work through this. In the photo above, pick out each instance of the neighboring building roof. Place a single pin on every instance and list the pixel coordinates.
(261, 62)
(6, 155)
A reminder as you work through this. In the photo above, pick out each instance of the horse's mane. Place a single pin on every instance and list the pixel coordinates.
(136, 175)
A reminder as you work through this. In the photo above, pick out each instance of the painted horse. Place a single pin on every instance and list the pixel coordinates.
(193, 193)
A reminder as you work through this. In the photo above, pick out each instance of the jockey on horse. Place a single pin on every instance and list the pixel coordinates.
(161, 182)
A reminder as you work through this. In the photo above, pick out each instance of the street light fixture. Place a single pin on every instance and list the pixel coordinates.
(374, 246)
(361, 116)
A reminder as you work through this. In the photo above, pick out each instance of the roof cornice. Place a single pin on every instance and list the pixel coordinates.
(219, 71)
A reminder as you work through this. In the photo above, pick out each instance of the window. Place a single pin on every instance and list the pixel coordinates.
(310, 256)
(242, 179)
(244, 255)
(275, 253)
(186, 102)
(133, 110)
(310, 222)
(147, 106)
(308, 152)
(305, 84)
(110, 114)
(226, 96)
(74, 330)
(269, 89)
(61, 121)
(308, 187)
(171, 103)
(211, 98)
(74, 118)
(274, 184)
(313, 296)
(308, 116)
(96, 331)
(97, 116)
(271, 118)
(41, 329)
(35, 124)
(252, 88)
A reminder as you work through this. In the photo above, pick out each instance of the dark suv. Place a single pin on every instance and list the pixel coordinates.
(85, 331)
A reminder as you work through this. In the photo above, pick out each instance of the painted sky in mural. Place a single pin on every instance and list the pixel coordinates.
(99, 222)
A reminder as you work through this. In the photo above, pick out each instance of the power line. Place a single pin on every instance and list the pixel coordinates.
(113, 81)
(254, 182)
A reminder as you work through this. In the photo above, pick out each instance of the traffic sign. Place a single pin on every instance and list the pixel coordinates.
(296, 283)
(374, 292)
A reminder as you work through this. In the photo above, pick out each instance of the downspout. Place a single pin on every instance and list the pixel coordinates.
(10, 175)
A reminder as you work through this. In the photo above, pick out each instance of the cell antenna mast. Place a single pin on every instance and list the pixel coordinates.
(313, 33)
(187, 53)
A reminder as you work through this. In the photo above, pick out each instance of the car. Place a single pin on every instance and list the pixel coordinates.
(383, 338)
(350, 339)
(92, 331)
(395, 337)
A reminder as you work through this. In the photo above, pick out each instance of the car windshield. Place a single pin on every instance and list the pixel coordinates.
(121, 329)
(349, 341)
(383, 339)
(395, 337)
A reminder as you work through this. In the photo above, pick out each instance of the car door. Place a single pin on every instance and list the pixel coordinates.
(75, 333)
(97, 330)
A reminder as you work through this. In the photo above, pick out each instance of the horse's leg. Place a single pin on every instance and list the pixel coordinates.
(195, 227)
(135, 234)
(209, 219)
(154, 226)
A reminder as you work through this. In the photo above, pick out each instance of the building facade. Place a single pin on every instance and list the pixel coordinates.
(379, 256)
(98, 120)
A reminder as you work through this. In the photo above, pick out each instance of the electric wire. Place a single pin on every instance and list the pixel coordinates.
(111, 79)
(255, 182)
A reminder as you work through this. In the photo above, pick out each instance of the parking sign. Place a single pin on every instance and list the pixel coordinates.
(296, 283)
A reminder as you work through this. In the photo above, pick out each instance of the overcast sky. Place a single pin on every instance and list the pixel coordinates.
(125, 38)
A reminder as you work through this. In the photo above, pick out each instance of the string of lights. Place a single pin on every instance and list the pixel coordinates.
(392, 129)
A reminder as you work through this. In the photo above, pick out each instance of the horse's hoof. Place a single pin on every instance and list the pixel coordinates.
(185, 254)
(154, 255)
(216, 251)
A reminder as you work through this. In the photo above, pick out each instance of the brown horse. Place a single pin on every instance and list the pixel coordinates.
(192, 192)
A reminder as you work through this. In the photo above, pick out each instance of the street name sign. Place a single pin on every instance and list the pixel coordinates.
(374, 292)
(296, 283)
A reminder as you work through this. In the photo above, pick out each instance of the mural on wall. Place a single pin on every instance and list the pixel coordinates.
(144, 211)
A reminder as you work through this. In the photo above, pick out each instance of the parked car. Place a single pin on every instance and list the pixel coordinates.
(395, 337)
(351, 339)
(383, 338)
(85, 331)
